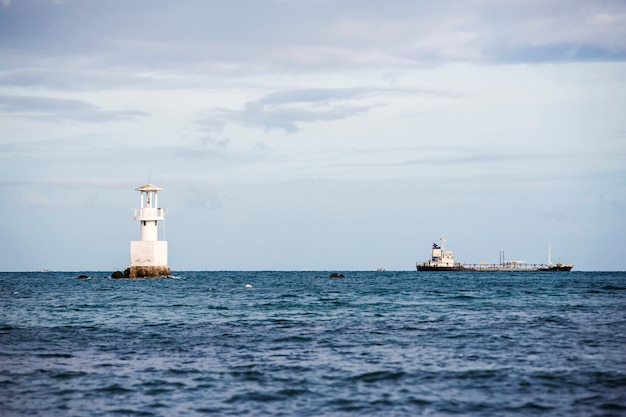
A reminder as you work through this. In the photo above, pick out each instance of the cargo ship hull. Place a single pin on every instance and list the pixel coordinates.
(495, 268)
(557, 268)
(456, 268)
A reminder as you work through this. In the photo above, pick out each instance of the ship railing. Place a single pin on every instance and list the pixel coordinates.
(505, 267)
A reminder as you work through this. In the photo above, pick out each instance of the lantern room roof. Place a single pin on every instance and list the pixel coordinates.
(148, 187)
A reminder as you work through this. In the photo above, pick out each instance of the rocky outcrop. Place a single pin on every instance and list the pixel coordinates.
(147, 272)
(143, 272)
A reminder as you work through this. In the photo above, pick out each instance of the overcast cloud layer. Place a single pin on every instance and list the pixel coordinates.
(313, 134)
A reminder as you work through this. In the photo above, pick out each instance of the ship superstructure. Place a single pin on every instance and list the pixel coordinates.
(440, 259)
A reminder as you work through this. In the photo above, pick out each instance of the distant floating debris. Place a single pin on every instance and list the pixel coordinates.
(337, 275)
(248, 285)
(442, 260)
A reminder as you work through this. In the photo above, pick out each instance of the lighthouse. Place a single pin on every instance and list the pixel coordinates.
(148, 256)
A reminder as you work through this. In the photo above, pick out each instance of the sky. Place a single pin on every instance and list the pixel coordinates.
(313, 134)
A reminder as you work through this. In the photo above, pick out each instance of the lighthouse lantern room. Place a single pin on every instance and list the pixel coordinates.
(148, 256)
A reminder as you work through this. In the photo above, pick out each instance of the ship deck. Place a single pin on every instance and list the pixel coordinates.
(511, 267)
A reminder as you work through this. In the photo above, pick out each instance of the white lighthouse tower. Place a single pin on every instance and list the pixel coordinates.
(148, 256)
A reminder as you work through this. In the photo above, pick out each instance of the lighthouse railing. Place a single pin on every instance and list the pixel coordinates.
(149, 214)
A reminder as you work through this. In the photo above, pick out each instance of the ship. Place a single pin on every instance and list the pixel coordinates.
(443, 260)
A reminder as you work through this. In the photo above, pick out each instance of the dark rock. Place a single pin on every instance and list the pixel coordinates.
(117, 274)
(336, 275)
(82, 277)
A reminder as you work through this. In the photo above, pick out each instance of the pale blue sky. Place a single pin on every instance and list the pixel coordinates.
(313, 134)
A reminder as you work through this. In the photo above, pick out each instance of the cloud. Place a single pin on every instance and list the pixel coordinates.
(313, 95)
(58, 109)
(287, 118)
(566, 52)
(288, 109)
(204, 40)
(474, 158)
(64, 78)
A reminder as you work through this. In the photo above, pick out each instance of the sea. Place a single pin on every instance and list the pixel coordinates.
(281, 343)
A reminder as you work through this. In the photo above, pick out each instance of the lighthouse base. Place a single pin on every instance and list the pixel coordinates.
(147, 272)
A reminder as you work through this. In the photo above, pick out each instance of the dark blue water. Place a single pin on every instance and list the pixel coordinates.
(302, 344)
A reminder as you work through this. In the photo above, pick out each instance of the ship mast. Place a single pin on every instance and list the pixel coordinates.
(443, 242)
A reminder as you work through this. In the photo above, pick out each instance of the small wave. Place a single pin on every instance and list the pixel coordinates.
(217, 307)
(248, 375)
(253, 396)
(55, 355)
(419, 401)
(130, 412)
(376, 376)
(114, 389)
(554, 320)
(162, 387)
(69, 375)
(532, 406)
(612, 406)
(289, 296)
(294, 392)
(182, 372)
(294, 339)
(613, 288)
(463, 297)
(476, 374)
(105, 365)
(349, 406)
